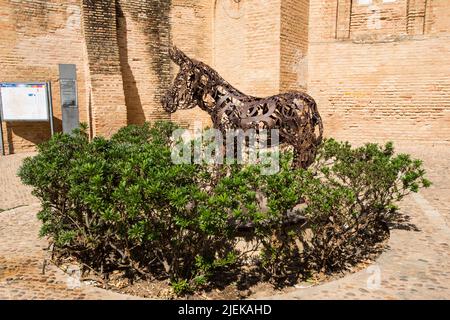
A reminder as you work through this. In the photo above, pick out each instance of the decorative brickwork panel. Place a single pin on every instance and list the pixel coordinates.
(378, 21)
(393, 86)
(416, 10)
(343, 18)
(437, 17)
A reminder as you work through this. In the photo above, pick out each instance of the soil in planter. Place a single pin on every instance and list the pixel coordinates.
(249, 286)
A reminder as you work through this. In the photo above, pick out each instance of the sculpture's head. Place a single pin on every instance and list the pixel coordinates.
(180, 95)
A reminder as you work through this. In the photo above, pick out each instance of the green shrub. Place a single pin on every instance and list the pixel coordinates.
(122, 204)
(351, 196)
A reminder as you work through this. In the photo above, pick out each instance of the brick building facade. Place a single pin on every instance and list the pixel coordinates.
(379, 69)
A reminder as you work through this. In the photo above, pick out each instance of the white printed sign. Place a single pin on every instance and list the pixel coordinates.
(24, 101)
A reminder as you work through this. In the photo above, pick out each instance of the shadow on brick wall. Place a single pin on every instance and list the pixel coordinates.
(24, 136)
(135, 112)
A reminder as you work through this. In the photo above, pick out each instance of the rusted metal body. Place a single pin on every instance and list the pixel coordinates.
(294, 114)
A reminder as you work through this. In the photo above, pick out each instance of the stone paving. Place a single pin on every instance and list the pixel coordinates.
(21, 263)
(12, 192)
(415, 266)
(417, 263)
(22, 252)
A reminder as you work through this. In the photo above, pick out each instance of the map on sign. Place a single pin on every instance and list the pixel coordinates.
(24, 102)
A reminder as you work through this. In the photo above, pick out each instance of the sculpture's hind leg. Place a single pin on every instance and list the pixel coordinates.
(305, 146)
(298, 161)
(304, 154)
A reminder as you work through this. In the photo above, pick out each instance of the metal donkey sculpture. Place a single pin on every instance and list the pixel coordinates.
(294, 114)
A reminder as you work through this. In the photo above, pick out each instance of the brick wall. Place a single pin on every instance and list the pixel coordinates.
(247, 44)
(143, 35)
(378, 20)
(261, 46)
(103, 58)
(119, 47)
(378, 71)
(37, 36)
(294, 45)
(191, 30)
(381, 76)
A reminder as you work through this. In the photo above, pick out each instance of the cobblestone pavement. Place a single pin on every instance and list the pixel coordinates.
(417, 263)
(22, 252)
(12, 192)
(415, 266)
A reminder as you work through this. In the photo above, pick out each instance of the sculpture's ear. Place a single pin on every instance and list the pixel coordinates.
(178, 56)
